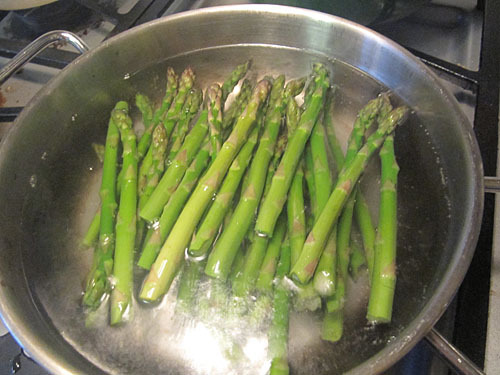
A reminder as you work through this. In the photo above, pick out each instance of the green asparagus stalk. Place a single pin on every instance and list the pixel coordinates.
(173, 114)
(268, 269)
(357, 259)
(205, 236)
(272, 205)
(214, 93)
(158, 152)
(278, 332)
(321, 168)
(233, 79)
(296, 215)
(121, 295)
(188, 286)
(191, 107)
(384, 268)
(295, 203)
(306, 298)
(324, 280)
(333, 326)
(170, 257)
(162, 228)
(334, 317)
(304, 269)
(311, 186)
(97, 285)
(245, 283)
(222, 256)
(332, 140)
(144, 105)
(246, 280)
(343, 255)
(239, 262)
(170, 90)
(168, 183)
(93, 231)
(367, 229)
(239, 103)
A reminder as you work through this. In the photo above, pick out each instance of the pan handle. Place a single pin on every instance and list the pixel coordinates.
(37, 46)
(457, 361)
(491, 185)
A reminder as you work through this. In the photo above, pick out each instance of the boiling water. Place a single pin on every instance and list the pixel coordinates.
(160, 340)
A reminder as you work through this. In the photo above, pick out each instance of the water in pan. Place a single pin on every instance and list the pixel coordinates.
(159, 341)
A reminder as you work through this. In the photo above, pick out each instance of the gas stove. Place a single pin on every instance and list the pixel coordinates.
(458, 39)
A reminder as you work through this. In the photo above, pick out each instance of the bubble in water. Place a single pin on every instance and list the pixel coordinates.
(44, 155)
(33, 181)
(73, 117)
(126, 76)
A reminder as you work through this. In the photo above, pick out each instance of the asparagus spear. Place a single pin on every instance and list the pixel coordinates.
(158, 152)
(186, 82)
(204, 237)
(278, 332)
(93, 231)
(295, 204)
(221, 258)
(326, 273)
(97, 282)
(321, 168)
(357, 259)
(304, 269)
(188, 286)
(233, 79)
(214, 94)
(343, 255)
(162, 228)
(170, 257)
(144, 105)
(248, 277)
(168, 114)
(239, 103)
(367, 229)
(191, 107)
(326, 277)
(268, 269)
(245, 281)
(337, 153)
(333, 325)
(272, 205)
(170, 91)
(296, 215)
(384, 268)
(175, 171)
(121, 295)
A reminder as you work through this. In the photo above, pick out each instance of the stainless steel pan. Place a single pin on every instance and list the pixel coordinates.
(49, 178)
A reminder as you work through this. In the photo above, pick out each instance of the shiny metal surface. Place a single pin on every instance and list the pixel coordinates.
(457, 360)
(492, 184)
(49, 179)
(37, 46)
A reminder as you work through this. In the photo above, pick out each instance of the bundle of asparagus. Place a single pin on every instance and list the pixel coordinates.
(212, 195)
